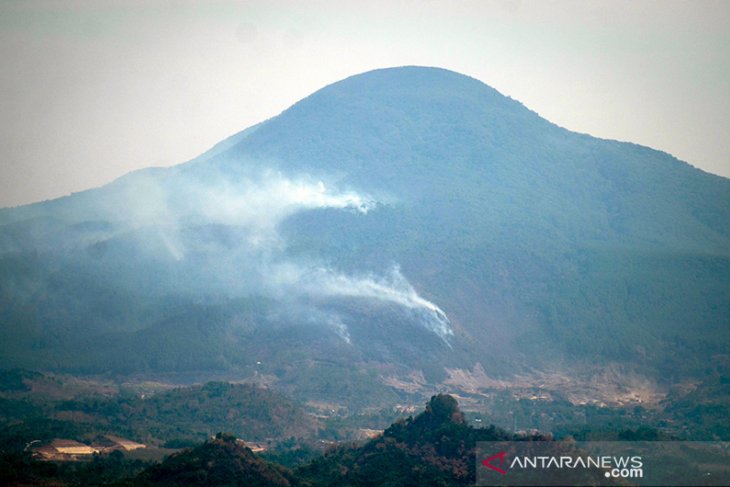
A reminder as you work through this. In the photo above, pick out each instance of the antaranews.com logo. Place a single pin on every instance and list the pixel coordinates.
(670, 463)
(616, 467)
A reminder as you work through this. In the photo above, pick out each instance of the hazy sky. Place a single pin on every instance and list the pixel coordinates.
(90, 90)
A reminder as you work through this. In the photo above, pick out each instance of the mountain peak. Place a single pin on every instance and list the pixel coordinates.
(405, 122)
(409, 79)
(408, 84)
(444, 408)
(222, 460)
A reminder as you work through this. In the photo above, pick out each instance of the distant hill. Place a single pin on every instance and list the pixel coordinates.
(252, 413)
(218, 462)
(405, 222)
(436, 447)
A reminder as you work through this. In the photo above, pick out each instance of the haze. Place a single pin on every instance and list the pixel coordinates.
(89, 92)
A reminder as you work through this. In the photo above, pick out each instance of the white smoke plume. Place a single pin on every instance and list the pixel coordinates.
(261, 203)
(391, 288)
(257, 202)
(174, 215)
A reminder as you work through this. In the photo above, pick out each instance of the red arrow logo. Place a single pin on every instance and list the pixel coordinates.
(488, 462)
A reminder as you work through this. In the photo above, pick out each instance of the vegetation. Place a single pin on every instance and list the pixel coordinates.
(22, 469)
(222, 461)
(434, 448)
(174, 418)
(437, 447)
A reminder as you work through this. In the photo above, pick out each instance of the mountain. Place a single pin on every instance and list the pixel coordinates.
(401, 230)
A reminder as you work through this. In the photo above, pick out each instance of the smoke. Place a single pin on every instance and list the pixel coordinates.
(339, 327)
(256, 202)
(263, 203)
(392, 287)
(219, 233)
